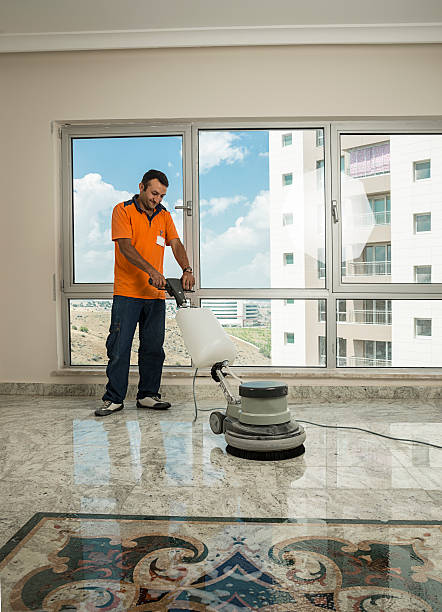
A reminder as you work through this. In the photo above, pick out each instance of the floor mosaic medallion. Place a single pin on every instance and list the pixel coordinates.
(61, 562)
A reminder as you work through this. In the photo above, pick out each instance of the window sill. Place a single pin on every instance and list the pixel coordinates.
(368, 376)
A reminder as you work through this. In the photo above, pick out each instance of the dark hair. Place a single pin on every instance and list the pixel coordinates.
(154, 174)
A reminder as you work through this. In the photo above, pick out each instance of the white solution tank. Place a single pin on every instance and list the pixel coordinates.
(204, 337)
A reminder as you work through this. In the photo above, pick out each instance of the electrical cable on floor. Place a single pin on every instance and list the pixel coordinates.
(375, 433)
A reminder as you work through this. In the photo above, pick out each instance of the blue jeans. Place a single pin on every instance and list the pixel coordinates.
(126, 313)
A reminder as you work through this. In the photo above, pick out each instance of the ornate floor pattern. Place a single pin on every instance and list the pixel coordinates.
(60, 562)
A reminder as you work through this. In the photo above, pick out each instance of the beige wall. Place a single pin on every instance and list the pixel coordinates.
(310, 81)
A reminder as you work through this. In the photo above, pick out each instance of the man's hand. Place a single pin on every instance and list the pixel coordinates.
(188, 281)
(158, 279)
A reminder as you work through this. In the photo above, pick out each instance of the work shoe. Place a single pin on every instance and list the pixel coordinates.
(153, 402)
(108, 407)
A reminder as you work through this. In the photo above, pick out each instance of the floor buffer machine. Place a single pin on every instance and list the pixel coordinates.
(257, 424)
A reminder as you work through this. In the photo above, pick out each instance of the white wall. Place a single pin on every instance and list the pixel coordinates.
(304, 81)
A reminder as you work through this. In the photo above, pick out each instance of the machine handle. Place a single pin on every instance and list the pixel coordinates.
(175, 289)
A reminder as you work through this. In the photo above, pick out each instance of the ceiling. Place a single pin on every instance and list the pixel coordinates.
(46, 25)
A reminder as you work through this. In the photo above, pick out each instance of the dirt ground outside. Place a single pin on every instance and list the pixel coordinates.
(90, 326)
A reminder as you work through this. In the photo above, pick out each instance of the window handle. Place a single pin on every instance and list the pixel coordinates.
(187, 207)
(335, 211)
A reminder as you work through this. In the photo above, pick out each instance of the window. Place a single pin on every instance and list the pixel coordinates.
(380, 209)
(422, 327)
(341, 306)
(320, 173)
(422, 274)
(240, 233)
(286, 139)
(319, 138)
(369, 160)
(374, 312)
(376, 260)
(322, 350)
(321, 263)
(376, 353)
(422, 222)
(287, 179)
(342, 352)
(422, 170)
(379, 201)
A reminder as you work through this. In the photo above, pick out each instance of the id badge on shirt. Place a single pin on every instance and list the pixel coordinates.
(160, 241)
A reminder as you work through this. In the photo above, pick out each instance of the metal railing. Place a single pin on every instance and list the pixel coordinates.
(377, 218)
(363, 362)
(366, 317)
(368, 268)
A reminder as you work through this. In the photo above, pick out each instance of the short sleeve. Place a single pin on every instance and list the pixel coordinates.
(171, 232)
(121, 225)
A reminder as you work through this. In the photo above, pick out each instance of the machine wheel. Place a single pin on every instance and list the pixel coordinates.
(216, 422)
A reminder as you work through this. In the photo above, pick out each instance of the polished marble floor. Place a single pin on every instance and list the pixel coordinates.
(55, 456)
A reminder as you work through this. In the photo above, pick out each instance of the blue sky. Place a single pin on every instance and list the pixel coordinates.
(234, 181)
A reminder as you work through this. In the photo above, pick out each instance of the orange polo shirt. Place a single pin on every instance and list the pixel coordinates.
(149, 236)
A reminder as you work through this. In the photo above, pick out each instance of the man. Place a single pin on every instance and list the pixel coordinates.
(141, 229)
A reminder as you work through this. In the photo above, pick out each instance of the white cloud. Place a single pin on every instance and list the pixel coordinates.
(218, 147)
(239, 257)
(94, 250)
(263, 154)
(216, 206)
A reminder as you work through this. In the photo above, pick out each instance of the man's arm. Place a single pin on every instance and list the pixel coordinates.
(131, 254)
(179, 252)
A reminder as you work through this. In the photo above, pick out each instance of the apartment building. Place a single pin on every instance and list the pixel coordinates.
(391, 233)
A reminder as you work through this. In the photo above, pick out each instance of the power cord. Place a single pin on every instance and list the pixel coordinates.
(194, 400)
(374, 433)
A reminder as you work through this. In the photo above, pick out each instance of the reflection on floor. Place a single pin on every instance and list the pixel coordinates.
(56, 457)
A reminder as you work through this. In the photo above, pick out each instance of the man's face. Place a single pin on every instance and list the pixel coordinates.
(153, 194)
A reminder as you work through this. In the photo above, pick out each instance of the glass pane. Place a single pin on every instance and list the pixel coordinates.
(422, 274)
(250, 188)
(423, 223)
(422, 170)
(272, 332)
(89, 328)
(385, 208)
(391, 333)
(107, 171)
